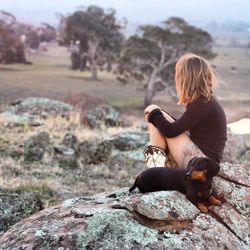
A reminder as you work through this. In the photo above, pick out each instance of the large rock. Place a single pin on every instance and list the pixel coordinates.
(32, 109)
(100, 116)
(159, 220)
(39, 106)
(239, 173)
(11, 120)
(162, 206)
(15, 207)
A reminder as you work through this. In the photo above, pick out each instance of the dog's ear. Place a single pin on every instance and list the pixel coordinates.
(213, 167)
(191, 165)
(192, 161)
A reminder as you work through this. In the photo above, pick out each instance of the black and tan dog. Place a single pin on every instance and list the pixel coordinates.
(195, 181)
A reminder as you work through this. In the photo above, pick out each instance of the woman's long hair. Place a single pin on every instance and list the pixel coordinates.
(194, 77)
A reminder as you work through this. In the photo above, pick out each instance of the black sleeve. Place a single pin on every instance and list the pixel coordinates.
(194, 114)
(164, 111)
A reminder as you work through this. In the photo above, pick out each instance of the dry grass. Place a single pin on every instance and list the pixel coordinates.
(236, 84)
(58, 126)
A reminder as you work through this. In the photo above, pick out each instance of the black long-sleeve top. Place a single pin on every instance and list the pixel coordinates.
(204, 120)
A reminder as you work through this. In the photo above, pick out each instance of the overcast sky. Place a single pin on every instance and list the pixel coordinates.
(135, 11)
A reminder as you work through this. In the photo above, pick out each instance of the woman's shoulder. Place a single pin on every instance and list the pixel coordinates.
(203, 104)
(199, 101)
(204, 100)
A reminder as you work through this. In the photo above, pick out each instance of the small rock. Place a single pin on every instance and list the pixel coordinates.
(36, 145)
(95, 151)
(130, 140)
(70, 140)
(66, 157)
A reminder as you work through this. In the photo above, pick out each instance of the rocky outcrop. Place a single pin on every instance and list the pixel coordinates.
(32, 110)
(159, 220)
(69, 152)
(126, 145)
(39, 106)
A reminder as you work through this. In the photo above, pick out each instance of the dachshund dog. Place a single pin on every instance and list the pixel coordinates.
(195, 181)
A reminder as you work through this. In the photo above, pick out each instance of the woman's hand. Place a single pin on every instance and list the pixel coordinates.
(148, 109)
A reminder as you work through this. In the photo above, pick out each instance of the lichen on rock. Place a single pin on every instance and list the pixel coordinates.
(16, 206)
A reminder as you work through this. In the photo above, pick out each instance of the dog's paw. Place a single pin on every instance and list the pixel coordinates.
(202, 207)
(214, 201)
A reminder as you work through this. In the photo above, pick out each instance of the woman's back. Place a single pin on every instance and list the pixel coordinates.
(210, 134)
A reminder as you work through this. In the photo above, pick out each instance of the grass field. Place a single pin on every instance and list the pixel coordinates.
(236, 83)
(50, 76)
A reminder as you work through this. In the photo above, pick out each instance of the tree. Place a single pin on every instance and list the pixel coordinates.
(11, 47)
(98, 36)
(151, 56)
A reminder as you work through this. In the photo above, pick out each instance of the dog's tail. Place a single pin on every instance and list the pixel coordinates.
(134, 185)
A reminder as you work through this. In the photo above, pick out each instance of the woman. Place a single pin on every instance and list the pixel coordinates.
(201, 131)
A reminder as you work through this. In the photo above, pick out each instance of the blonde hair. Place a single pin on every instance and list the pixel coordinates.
(194, 77)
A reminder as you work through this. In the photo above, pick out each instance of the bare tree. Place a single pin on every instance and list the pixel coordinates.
(150, 57)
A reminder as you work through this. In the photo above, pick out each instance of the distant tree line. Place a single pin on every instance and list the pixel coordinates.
(228, 26)
(96, 41)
